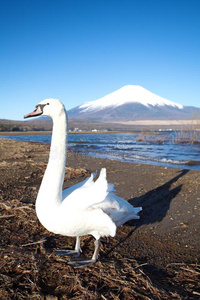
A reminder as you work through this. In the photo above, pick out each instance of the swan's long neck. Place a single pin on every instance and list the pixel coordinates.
(50, 193)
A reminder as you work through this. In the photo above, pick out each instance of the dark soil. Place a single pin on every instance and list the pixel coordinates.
(156, 257)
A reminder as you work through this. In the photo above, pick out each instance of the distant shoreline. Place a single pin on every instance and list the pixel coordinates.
(161, 122)
(13, 133)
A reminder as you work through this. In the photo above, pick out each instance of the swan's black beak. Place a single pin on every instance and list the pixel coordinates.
(37, 112)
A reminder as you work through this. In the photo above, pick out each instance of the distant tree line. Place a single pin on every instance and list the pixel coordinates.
(10, 127)
(15, 128)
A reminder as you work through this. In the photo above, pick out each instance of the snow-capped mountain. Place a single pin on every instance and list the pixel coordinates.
(127, 94)
(129, 103)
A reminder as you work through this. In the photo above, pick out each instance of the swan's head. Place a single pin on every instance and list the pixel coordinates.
(48, 107)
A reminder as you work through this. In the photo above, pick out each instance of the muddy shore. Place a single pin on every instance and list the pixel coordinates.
(156, 257)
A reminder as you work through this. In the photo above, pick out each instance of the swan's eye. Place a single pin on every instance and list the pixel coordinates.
(47, 103)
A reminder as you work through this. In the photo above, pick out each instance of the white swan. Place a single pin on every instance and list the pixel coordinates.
(89, 207)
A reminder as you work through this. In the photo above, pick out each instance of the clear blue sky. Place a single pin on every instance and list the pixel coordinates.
(81, 50)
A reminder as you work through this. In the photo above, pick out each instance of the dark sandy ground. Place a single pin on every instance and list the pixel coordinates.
(156, 257)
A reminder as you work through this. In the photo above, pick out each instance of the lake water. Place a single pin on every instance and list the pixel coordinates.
(159, 149)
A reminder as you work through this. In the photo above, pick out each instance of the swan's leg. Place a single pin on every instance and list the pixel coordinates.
(78, 246)
(96, 250)
(76, 252)
(83, 262)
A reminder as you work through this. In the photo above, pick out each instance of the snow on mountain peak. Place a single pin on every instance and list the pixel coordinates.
(127, 94)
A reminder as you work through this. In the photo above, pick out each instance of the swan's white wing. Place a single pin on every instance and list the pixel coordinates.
(84, 183)
(119, 210)
(91, 195)
(88, 194)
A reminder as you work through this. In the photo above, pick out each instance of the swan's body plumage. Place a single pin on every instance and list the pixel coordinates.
(88, 207)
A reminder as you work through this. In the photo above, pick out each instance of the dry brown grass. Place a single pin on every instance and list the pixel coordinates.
(28, 271)
(152, 137)
(186, 137)
(179, 137)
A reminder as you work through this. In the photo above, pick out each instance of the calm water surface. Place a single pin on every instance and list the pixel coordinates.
(159, 149)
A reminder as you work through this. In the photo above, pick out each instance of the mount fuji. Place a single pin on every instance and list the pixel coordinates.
(130, 103)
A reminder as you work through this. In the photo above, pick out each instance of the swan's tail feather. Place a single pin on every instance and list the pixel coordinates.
(128, 217)
(137, 209)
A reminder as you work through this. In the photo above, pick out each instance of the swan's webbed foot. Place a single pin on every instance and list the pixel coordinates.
(67, 252)
(76, 252)
(81, 262)
(63, 252)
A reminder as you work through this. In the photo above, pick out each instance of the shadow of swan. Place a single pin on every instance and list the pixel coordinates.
(155, 205)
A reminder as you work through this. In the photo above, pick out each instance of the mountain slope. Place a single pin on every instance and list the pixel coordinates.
(128, 94)
(132, 103)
